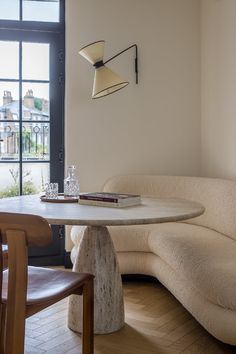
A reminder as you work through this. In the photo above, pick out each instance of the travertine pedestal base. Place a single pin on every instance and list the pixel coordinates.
(96, 255)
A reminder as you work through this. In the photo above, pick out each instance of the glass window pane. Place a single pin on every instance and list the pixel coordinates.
(9, 100)
(9, 141)
(9, 60)
(9, 12)
(35, 101)
(44, 10)
(9, 180)
(35, 61)
(34, 177)
(35, 141)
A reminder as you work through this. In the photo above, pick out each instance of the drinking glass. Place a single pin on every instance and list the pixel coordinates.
(51, 190)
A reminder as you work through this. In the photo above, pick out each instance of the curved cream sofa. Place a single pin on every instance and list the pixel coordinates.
(195, 259)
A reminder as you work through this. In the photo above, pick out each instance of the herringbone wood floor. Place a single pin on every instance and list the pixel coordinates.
(156, 323)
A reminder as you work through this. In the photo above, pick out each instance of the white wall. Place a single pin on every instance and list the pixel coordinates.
(152, 127)
(219, 88)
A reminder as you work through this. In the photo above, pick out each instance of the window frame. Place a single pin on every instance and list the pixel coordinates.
(53, 33)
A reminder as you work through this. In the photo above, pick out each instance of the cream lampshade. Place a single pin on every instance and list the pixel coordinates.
(93, 52)
(106, 81)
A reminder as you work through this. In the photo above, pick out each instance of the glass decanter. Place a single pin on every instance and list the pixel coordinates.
(71, 184)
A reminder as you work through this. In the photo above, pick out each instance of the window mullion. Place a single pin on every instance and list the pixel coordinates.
(21, 10)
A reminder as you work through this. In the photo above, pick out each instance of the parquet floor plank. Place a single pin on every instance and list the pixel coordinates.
(189, 339)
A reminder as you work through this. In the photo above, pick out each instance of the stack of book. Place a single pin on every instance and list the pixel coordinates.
(116, 200)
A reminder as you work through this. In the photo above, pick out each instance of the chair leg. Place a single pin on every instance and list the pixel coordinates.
(88, 318)
(15, 340)
(2, 329)
(17, 289)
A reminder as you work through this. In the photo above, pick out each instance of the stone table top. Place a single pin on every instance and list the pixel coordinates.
(151, 211)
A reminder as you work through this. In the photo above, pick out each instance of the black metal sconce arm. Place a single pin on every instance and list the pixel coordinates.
(135, 60)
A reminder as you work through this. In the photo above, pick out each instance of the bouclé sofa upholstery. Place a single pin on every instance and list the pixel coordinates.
(194, 259)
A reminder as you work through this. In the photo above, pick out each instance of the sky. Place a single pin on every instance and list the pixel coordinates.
(32, 10)
(35, 66)
(35, 56)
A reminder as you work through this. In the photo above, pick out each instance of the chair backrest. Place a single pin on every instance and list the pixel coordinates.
(38, 232)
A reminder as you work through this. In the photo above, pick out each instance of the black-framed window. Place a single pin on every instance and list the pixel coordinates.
(31, 95)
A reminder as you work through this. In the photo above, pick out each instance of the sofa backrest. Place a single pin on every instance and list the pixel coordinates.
(218, 196)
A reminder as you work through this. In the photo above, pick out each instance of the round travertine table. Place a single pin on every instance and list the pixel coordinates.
(96, 252)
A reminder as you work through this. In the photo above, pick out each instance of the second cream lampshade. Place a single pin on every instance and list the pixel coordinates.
(106, 81)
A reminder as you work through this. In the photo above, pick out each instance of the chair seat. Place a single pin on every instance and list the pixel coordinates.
(46, 284)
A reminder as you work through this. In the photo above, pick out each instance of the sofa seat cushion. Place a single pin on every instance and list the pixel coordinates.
(125, 238)
(133, 238)
(203, 256)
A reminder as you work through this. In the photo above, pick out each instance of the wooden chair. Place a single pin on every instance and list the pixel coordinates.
(27, 290)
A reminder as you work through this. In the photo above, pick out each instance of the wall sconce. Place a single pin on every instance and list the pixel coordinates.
(106, 81)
